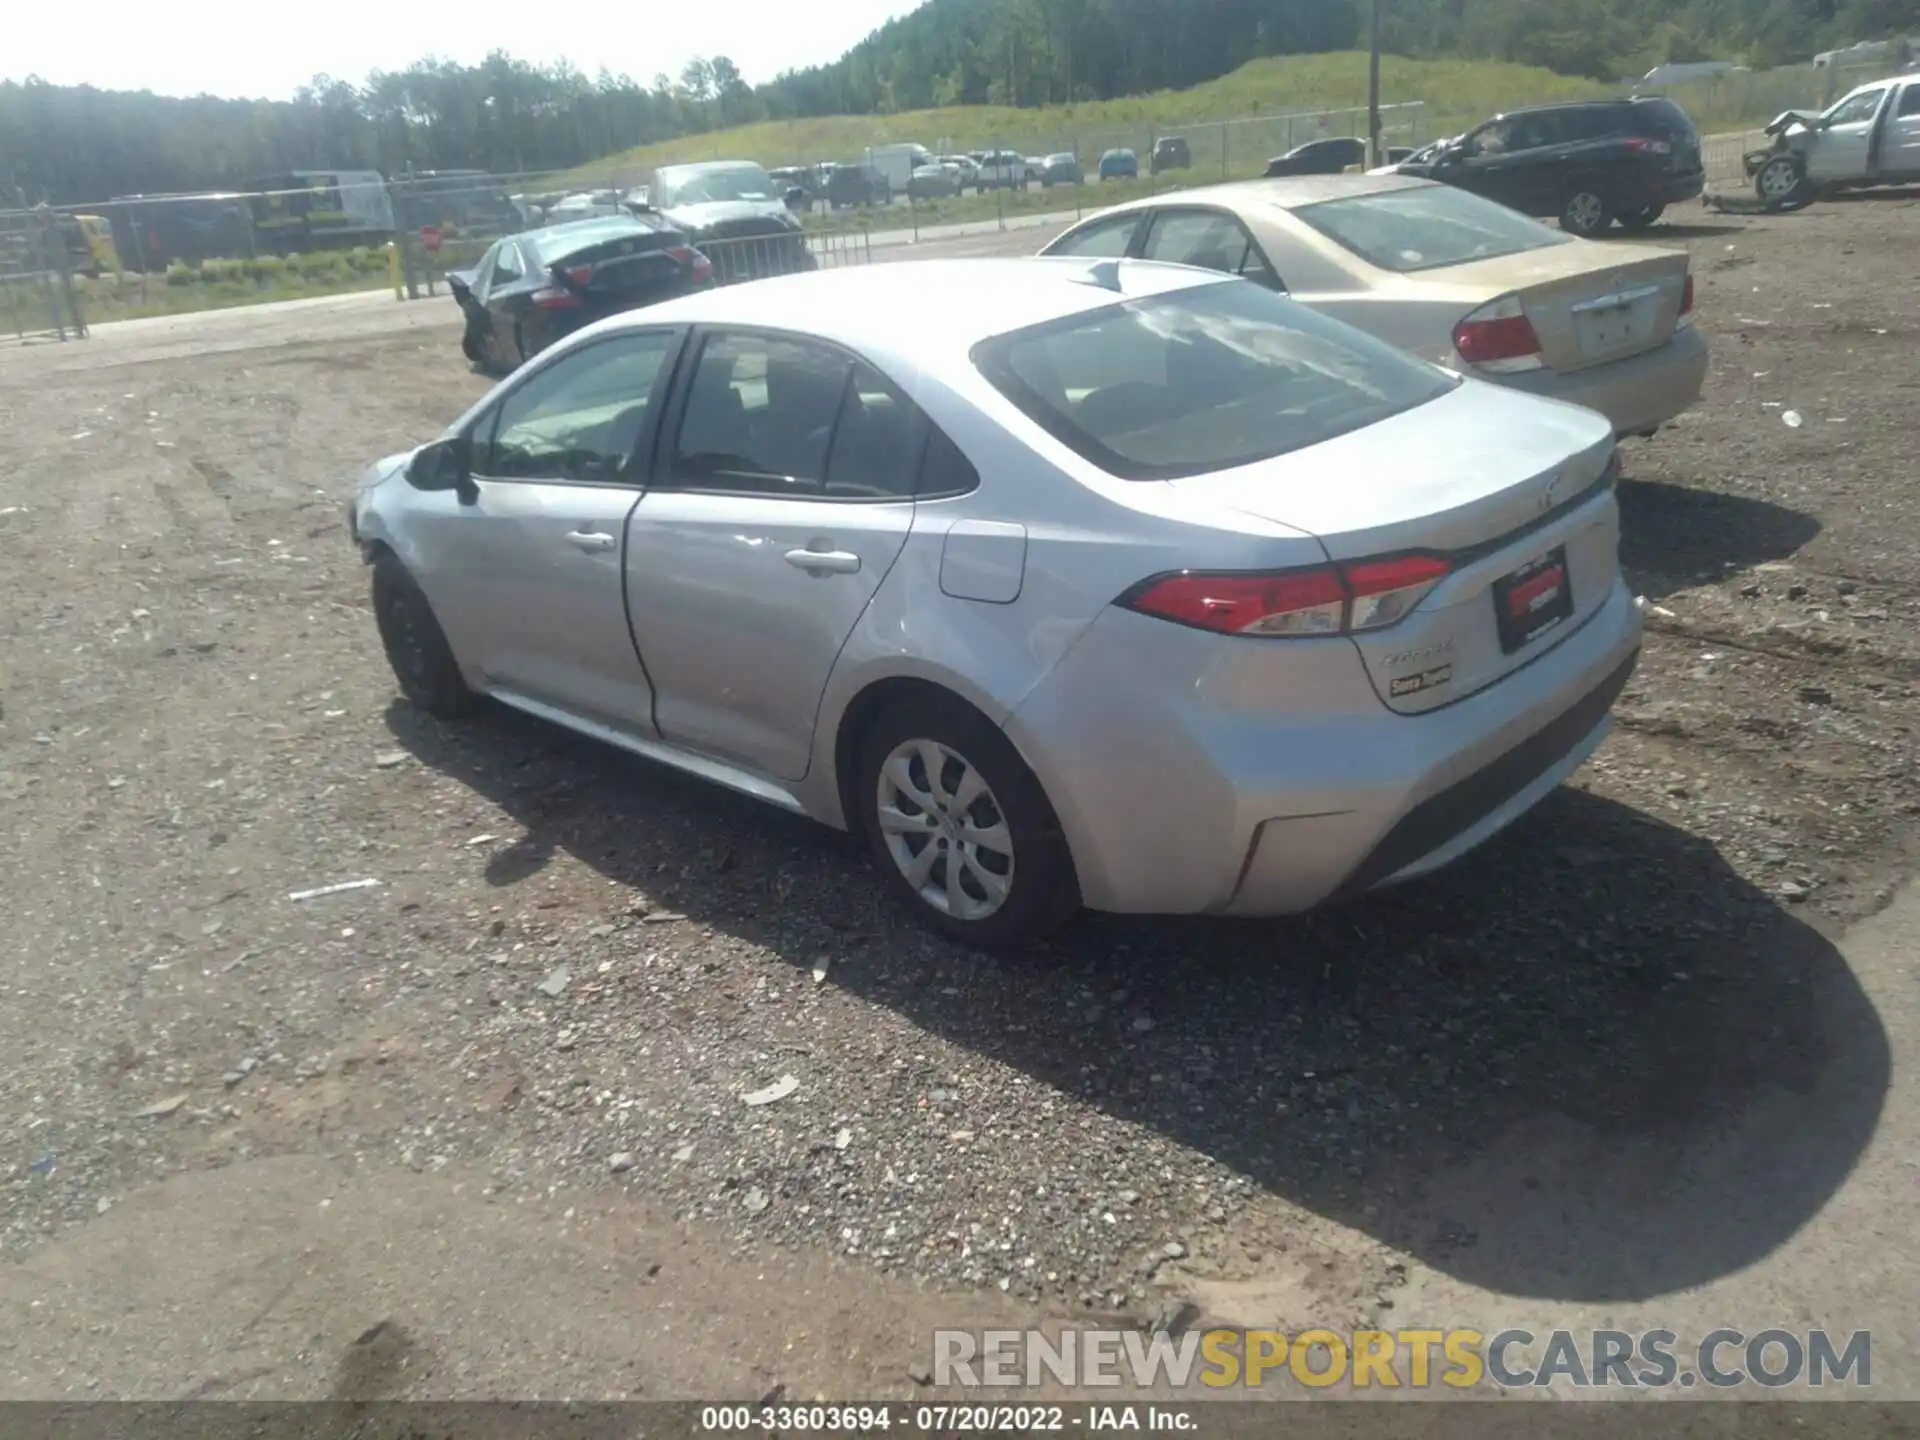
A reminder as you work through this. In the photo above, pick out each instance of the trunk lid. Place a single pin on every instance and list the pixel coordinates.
(1589, 304)
(619, 270)
(1518, 495)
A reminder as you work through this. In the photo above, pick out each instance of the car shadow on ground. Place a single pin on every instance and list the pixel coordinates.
(1677, 537)
(1673, 230)
(1587, 1063)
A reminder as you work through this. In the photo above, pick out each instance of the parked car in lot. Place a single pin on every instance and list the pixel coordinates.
(1005, 170)
(1171, 152)
(1449, 275)
(735, 213)
(586, 205)
(852, 185)
(965, 168)
(1061, 169)
(1319, 157)
(932, 182)
(796, 186)
(1870, 136)
(1059, 582)
(1119, 165)
(1586, 164)
(530, 289)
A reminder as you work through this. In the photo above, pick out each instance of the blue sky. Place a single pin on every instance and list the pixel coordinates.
(239, 47)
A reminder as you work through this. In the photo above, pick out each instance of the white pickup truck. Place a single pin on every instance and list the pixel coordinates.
(1870, 136)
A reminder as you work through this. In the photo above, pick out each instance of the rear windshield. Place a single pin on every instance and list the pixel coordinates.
(564, 240)
(1426, 228)
(1202, 379)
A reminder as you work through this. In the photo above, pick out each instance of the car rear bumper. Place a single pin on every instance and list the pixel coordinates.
(1677, 189)
(1638, 394)
(1172, 804)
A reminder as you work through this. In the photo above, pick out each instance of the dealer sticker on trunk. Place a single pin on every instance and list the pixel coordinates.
(1425, 680)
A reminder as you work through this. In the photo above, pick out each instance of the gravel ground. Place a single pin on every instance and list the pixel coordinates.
(576, 971)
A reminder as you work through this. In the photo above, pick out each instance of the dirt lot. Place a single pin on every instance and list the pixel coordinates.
(198, 722)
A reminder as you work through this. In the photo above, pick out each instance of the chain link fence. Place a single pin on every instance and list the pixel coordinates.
(38, 297)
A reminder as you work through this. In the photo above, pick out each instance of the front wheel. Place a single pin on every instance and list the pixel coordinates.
(1642, 218)
(1780, 180)
(960, 828)
(1585, 213)
(416, 646)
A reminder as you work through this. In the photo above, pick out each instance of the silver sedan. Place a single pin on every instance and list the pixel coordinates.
(1062, 583)
(1451, 276)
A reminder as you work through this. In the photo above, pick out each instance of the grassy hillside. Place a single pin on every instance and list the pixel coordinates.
(1453, 93)
(1273, 87)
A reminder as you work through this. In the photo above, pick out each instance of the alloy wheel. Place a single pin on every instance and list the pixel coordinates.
(944, 830)
(1587, 212)
(1778, 178)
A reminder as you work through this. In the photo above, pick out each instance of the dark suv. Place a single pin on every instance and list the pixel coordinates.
(1586, 164)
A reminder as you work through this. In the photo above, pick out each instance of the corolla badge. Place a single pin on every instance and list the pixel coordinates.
(1553, 491)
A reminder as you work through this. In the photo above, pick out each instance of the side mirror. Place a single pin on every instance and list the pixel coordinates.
(796, 198)
(445, 465)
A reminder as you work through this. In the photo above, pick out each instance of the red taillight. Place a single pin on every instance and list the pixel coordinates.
(1686, 300)
(698, 263)
(1498, 337)
(1642, 146)
(580, 274)
(1322, 600)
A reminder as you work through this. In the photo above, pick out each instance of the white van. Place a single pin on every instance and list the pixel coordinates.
(898, 162)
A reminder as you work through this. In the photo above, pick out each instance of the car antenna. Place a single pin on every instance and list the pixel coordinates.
(1105, 274)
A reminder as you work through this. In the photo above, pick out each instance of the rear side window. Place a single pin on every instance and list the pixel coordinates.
(943, 469)
(1103, 238)
(876, 442)
(1203, 379)
(1663, 118)
(1910, 101)
(760, 414)
(1595, 122)
(1426, 227)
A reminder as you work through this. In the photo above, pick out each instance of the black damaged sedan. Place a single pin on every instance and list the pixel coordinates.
(530, 289)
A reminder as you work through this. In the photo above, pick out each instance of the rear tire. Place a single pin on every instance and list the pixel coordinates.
(416, 646)
(1641, 219)
(993, 872)
(1585, 213)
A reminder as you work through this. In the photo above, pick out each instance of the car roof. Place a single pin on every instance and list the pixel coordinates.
(701, 167)
(920, 307)
(1283, 193)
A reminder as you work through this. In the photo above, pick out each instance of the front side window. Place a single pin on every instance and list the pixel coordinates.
(1856, 109)
(760, 415)
(1426, 227)
(1202, 379)
(580, 418)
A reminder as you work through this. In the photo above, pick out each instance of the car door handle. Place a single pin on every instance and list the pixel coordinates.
(591, 540)
(825, 562)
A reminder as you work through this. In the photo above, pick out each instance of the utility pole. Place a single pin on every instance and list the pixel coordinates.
(1373, 90)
